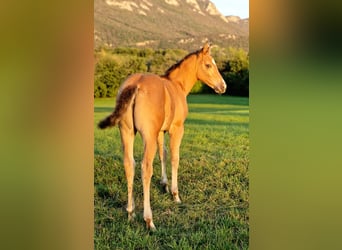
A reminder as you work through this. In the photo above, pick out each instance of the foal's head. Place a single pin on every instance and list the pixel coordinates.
(207, 71)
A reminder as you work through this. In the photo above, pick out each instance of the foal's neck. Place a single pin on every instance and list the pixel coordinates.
(186, 74)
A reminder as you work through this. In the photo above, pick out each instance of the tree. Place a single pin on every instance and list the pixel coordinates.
(113, 67)
(236, 72)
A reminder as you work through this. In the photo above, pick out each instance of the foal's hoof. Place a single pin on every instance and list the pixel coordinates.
(166, 188)
(176, 198)
(131, 216)
(150, 225)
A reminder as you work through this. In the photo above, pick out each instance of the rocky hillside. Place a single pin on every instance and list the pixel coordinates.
(166, 24)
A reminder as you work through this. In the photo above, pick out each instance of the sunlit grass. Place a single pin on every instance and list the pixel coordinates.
(213, 183)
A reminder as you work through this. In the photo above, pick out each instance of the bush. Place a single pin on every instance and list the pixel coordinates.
(235, 72)
(100, 89)
(198, 88)
(110, 72)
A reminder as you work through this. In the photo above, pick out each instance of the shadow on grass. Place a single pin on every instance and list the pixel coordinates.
(218, 99)
(193, 121)
(221, 111)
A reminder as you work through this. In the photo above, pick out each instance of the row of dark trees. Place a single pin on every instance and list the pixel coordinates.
(114, 65)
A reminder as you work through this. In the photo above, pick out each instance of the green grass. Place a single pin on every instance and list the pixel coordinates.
(213, 183)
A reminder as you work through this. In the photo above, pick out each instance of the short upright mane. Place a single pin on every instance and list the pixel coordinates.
(176, 65)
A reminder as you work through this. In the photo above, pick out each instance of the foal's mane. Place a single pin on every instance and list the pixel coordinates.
(176, 65)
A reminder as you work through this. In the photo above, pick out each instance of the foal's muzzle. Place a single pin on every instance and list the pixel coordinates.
(220, 88)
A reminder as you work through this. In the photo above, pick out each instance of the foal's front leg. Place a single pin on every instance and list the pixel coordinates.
(176, 136)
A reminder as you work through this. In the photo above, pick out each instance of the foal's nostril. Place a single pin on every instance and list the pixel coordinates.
(220, 89)
(223, 88)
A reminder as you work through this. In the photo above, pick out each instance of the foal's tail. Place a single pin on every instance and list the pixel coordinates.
(122, 103)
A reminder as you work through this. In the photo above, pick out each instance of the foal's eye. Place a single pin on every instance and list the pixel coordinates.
(208, 66)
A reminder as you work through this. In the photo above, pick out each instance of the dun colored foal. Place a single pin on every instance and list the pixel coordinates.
(154, 105)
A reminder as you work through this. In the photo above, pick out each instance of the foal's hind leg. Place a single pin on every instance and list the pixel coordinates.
(127, 139)
(162, 157)
(150, 147)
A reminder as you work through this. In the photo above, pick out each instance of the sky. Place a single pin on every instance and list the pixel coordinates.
(233, 7)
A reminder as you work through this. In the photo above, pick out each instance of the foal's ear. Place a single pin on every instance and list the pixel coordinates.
(206, 48)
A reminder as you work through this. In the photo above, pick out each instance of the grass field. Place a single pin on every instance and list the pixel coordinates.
(213, 183)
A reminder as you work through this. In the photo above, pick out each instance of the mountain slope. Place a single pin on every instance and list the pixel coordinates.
(165, 24)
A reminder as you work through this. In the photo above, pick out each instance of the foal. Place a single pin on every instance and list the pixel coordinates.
(153, 105)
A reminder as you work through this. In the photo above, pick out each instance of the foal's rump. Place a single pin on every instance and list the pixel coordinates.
(144, 92)
(149, 104)
(123, 102)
